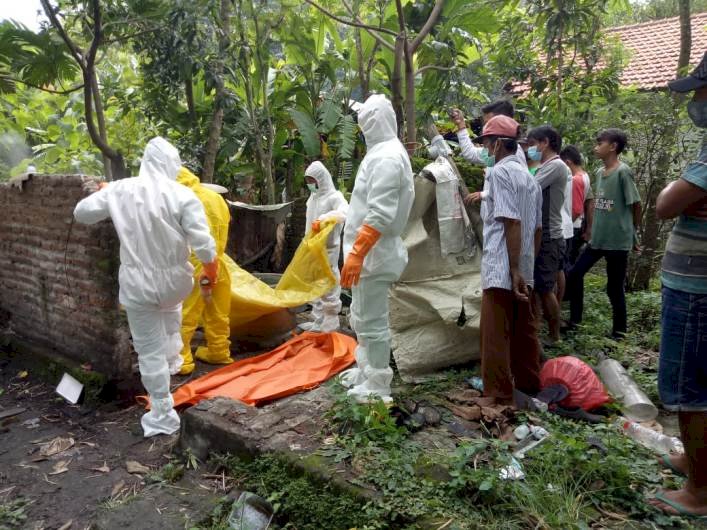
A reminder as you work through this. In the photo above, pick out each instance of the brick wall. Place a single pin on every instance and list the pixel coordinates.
(58, 279)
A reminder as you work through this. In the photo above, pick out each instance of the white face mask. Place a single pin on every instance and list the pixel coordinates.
(311, 187)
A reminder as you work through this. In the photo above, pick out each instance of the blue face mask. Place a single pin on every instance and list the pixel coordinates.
(534, 154)
(488, 159)
(697, 110)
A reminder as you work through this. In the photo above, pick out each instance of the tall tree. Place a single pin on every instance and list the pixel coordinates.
(93, 106)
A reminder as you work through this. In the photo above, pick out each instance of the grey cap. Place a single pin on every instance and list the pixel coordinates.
(697, 79)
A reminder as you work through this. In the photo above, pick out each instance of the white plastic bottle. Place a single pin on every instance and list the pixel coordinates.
(651, 439)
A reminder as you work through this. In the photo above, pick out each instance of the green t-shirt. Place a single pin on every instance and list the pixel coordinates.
(613, 212)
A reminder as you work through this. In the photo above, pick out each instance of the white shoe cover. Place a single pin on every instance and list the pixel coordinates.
(376, 386)
(352, 377)
(161, 418)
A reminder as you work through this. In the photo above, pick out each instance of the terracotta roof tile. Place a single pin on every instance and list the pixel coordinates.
(653, 49)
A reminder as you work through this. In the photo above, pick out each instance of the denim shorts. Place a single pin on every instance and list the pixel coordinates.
(682, 371)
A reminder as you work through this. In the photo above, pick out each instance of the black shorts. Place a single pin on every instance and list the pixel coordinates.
(548, 263)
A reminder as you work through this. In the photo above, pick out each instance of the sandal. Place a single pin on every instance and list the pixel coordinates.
(679, 508)
(667, 464)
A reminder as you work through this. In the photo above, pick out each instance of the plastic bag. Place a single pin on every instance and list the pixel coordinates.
(307, 277)
(586, 390)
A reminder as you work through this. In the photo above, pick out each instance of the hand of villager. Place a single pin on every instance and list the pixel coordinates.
(587, 235)
(211, 272)
(698, 210)
(458, 118)
(520, 289)
(351, 273)
(472, 198)
(316, 226)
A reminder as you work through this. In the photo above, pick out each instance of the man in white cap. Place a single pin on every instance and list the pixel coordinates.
(326, 204)
(375, 254)
(157, 221)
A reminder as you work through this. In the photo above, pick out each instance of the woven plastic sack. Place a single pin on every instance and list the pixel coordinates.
(586, 390)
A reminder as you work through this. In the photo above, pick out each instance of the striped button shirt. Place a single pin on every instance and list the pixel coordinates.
(513, 193)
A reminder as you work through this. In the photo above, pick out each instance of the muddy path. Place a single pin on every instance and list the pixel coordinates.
(66, 466)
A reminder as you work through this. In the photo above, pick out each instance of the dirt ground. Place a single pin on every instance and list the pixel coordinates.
(65, 466)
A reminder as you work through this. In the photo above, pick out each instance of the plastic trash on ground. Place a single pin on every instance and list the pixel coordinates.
(435, 306)
(658, 442)
(585, 388)
(513, 471)
(635, 404)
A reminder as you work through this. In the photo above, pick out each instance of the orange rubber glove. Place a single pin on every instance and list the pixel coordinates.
(210, 273)
(316, 226)
(351, 273)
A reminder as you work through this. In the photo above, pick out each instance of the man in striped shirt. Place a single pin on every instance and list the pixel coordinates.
(682, 370)
(512, 217)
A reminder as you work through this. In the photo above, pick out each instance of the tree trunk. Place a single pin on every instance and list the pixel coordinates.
(360, 59)
(189, 92)
(396, 83)
(101, 118)
(685, 37)
(214, 137)
(410, 125)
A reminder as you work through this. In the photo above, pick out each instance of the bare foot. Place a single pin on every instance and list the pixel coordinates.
(678, 463)
(690, 501)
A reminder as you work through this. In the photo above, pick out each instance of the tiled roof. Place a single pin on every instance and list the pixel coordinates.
(654, 47)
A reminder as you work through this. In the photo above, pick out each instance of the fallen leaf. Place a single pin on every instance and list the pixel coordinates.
(62, 466)
(136, 467)
(67, 525)
(103, 469)
(117, 488)
(472, 413)
(23, 374)
(56, 446)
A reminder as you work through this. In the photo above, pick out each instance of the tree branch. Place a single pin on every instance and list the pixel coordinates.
(73, 48)
(49, 90)
(434, 67)
(350, 22)
(431, 21)
(371, 32)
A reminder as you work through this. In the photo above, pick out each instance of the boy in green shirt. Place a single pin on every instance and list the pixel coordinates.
(617, 214)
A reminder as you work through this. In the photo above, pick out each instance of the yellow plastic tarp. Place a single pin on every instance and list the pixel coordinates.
(307, 277)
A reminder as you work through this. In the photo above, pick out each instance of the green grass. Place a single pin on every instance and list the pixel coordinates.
(569, 482)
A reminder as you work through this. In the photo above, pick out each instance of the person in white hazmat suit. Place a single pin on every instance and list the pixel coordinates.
(325, 204)
(375, 254)
(157, 221)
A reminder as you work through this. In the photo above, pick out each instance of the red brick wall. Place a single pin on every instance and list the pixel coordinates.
(58, 278)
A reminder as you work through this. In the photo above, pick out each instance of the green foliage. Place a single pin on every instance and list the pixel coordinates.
(13, 514)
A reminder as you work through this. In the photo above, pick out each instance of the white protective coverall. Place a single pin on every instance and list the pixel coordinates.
(324, 204)
(157, 221)
(382, 197)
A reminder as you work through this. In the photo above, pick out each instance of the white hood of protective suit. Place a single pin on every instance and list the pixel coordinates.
(324, 203)
(157, 221)
(383, 191)
(376, 118)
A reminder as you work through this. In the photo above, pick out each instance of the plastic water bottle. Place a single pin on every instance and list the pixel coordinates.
(651, 439)
(476, 383)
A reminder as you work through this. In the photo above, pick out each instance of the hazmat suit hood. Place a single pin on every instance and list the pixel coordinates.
(325, 184)
(187, 178)
(377, 120)
(160, 159)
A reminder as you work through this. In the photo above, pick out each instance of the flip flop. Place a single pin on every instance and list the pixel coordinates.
(678, 508)
(667, 464)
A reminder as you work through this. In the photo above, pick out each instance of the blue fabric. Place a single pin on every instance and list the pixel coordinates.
(682, 371)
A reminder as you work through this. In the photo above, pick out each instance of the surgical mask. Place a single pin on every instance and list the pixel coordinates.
(534, 154)
(489, 160)
(697, 110)
(311, 187)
